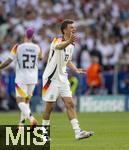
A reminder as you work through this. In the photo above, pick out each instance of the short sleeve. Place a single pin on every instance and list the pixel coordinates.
(56, 41)
(13, 52)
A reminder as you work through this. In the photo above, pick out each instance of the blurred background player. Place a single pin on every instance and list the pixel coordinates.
(26, 57)
(55, 78)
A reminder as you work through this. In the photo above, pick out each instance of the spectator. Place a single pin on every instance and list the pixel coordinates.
(83, 57)
(94, 77)
(117, 50)
(123, 78)
(3, 100)
(97, 53)
(105, 49)
(125, 56)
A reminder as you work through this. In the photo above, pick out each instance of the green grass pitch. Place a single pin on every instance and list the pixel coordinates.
(111, 130)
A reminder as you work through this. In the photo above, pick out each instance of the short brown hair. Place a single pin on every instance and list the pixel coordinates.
(65, 23)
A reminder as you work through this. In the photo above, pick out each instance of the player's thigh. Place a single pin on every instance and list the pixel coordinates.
(65, 90)
(66, 95)
(50, 92)
(21, 90)
(30, 90)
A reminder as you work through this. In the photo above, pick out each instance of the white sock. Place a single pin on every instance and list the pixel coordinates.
(28, 105)
(75, 125)
(45, 122)
(25, 110)
(22, 118)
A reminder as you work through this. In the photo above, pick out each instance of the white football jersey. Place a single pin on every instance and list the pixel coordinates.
(57, 61)
(26, 58)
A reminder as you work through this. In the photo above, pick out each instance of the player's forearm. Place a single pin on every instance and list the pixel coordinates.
(72, 66)
(6, 63)
(62, 45)
(40, 57)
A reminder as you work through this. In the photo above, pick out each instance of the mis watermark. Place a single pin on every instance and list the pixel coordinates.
(23, 138)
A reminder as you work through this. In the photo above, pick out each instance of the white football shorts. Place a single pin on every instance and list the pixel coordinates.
(24, 90)
(51, 90)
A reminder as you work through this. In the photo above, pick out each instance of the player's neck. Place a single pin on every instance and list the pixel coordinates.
(28, 41)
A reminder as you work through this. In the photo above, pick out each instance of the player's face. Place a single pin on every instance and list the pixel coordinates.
(71, 28)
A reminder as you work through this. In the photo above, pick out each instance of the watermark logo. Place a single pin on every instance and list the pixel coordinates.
(23, 137)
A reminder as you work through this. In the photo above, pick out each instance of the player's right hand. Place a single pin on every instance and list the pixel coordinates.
(72, 38)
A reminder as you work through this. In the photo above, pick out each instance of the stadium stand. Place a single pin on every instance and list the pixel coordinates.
(103, 31)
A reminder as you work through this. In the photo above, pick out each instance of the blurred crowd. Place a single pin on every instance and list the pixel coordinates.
(102, 46)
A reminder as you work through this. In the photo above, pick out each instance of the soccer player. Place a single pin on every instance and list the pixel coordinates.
(26, 57)
(55, 79)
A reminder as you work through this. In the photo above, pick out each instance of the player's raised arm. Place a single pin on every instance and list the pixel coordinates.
(68, 30)
(61, 45)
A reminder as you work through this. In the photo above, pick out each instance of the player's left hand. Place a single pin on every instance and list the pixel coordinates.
(81, 71)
